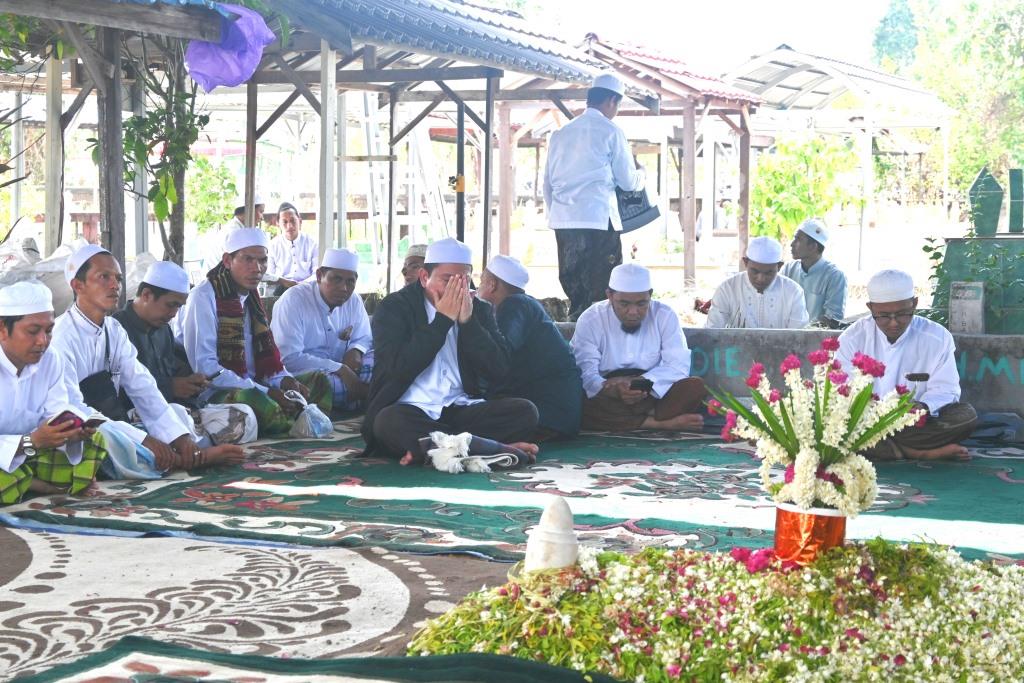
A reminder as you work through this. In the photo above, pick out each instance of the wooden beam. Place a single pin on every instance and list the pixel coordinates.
(419, 117)
(68, 116)
(488, 171)
(173, 21)
(251, 92)
(506, 177)
(562, 108)
(743, 222)
(532, 95)
(453, 96)
(736, 129)
(100, 70)
(110, 132)
(297, 81)
(450, 73)
(688, 199)
(54, 158)
(281, 109)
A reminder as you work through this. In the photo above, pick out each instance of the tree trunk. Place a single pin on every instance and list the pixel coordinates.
(176, 239)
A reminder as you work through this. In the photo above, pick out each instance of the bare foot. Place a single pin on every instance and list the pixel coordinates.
(953, 451)
(407, 459)
(40, 486)
(226, 454)
(687, 422)
(531, 449)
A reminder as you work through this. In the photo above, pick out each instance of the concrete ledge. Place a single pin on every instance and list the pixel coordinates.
(991, 366)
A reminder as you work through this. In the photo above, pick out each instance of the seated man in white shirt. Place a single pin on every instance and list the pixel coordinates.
(634, 360)
(227, 337)
(293, 254)
(322, 325)
(36, 455)
(435, 346)
(100, 362)
(919, 355)
(759, 297)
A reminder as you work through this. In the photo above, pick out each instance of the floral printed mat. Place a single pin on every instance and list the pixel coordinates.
(626, 493)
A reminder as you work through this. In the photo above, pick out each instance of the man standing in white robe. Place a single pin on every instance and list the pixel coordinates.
(634, 360)
(759, 297)
(919, 357)
(322, 325)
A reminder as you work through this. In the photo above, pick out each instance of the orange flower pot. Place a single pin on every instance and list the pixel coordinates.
(801, 535)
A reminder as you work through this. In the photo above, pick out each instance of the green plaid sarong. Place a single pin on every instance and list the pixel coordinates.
(271, 419)
(52, 466)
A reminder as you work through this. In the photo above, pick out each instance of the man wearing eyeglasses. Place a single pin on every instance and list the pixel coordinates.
(919, 355)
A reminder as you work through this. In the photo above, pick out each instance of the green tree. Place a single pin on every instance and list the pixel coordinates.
(896, 37)
(211, 190)
(799, 178)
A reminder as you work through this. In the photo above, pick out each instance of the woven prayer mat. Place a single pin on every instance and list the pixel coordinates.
(69, 595)
(627, 492)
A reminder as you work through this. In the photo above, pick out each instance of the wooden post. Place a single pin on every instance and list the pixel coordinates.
(506, 178)
(664, 157)
(109, 124)
(688, 200)
(743, 220)
(17, 150)
(139, 185)
(54, 159)
(867, 162)
(328, 119)
(488, 147)
(341, 231)
(460, 171)
(250, 152)
(392, 180)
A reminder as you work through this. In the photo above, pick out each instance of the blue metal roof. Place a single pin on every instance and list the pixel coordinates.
(208, 4)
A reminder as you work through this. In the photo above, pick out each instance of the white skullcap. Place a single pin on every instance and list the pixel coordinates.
(25, 298)
(419, 250)
(631, 278)
(887, 286)
(78, 259)
(342, 259)
(449, 250)
(764, 250)
(167, 275)
(240, 201)
(510, 270)
(815, 229)
(246, 237)
(609, 82)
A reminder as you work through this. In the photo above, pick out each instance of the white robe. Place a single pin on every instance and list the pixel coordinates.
(294, 261)
(658, 347)
(82, 345)
(307, 332)
(925, 347)
(737, 304)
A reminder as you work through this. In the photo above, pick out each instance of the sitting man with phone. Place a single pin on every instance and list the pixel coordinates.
(100, 362)
(146, 319)
(45, 447)
(227, 337)
(634, 361)
(918, 355)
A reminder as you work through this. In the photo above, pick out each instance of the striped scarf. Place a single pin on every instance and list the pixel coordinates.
(230, 332)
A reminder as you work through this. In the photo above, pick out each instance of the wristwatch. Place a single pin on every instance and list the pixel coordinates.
(28, 449)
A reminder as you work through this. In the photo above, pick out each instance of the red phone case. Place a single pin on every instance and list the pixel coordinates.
(67, 416)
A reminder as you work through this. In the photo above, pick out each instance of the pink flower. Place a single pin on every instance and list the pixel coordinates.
(730, 424)
(828, 476)
(713, 407)
(774, 395)
(740, 554)
(756, 373)
(874, 397)
(830, 343)
(923, 420)
(809, 384)
(902, 389)
(757, 369)
(836, 365)
(760, 559)
(899, 660)
(844, 390)
(837, 377)
(754, 381)
(790, 473)
(818, 357)
(790, 362)
(673, 670)
(783, 647)
(855, 633)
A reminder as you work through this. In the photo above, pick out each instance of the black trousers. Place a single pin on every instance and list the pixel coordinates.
(585, 260)
(399, 427)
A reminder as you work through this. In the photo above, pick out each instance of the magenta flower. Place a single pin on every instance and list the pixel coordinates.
(673, 670)
(730, 423)
(838, 377)
(740, 554)
(923, 420)
(836, 365)
(818, 357)
(774, 395)
(757, 369)
(714, 406)
(809, 384)
(830, 343)
(760, 559)
(783, 647)
(844, 390)
(754, 381)
(790, 473)
(902, 389)
(875, 397)
(899, 660)
(790, 362)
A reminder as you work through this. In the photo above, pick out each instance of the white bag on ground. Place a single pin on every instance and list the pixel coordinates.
(311, 422)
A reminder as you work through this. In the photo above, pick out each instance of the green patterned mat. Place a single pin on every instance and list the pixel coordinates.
(626, 493)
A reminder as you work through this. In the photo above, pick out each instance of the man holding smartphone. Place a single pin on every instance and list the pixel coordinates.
(634, 361)
(37, 452)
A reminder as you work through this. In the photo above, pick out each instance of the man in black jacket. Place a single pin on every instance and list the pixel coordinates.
(435, 346)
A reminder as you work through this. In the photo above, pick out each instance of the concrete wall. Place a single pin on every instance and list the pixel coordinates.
(991, 366)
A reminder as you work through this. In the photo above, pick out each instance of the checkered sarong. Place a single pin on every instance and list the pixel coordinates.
(52, 466)
(341, 399)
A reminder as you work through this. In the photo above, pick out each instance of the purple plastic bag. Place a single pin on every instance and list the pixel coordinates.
(234, 60)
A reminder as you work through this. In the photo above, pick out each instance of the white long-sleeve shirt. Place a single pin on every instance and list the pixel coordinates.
(37, 394)
(199, 337)
(307, 331)
(737, 303)
(82, 345)
(925, 347)
(659, 348)
(587, 159)
(294, 261)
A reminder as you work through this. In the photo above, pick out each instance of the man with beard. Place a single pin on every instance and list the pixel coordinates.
(634, 360)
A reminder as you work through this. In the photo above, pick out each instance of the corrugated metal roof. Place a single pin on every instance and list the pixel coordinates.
(209, 4)
(461, 31)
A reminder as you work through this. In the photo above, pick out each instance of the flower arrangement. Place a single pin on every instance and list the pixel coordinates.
(819, 428)
(872, 611)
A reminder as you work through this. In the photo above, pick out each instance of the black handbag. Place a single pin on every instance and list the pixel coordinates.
(99, 391)
(635, 209)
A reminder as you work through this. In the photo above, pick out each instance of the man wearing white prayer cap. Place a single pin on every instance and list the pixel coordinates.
(823, 283)
(158, 299)
(322, 326)
(227, 338)
(34, 454)
(145, 436)
(293, 254)
(436, 346)
(759, 297)
(587, 159)
(918, 354)
(634, 360)
(414, 259)
(543, 368)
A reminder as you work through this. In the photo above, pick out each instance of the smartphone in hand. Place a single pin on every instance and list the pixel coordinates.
(641, 384)
(94, 422)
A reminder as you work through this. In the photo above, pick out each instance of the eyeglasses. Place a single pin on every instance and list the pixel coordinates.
(890, 317)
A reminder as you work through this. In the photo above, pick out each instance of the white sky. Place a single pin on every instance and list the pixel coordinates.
(718, 35)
